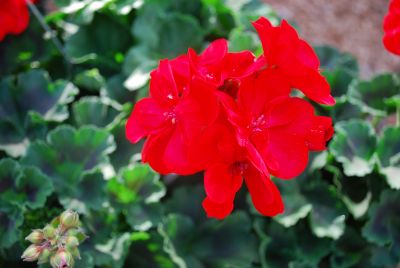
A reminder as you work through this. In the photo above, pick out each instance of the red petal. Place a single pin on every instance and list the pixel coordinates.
(320, 133)
(264, 194)
(217, 210)
(221, 182)
(215, 52)
(167, 152)
(258, 90)
(163, 87)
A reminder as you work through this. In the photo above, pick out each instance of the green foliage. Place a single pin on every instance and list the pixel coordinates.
(63, 146)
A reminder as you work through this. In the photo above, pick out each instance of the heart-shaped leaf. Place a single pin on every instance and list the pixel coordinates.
(11, 218)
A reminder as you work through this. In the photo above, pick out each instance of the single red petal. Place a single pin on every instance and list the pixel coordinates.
(163, 87)
(167, 152)
(314, 86)
(285, 154)
(264, 194)
(221, 182)
(258, 90)
(217, 210)
(215, 52)
(320, 133)
(238, 64)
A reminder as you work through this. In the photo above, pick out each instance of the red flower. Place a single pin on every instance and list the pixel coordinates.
(294, 59)
(391, 27)
(222, 68)
(14, 17)
(232, 116)
(225, 177)
(172, 118)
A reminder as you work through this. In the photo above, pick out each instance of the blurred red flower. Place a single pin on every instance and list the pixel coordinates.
(14, 17)
(391, 27)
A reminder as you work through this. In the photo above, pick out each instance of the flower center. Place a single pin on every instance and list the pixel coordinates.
(258, 124)
(170, 116)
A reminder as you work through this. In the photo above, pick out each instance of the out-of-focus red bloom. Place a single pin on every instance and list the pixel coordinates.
(14, 17)
(172, 118)
(294, 59)
(391, 27)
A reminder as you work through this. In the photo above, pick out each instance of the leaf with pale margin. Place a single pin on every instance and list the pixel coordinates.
(137, 191)
(211, 244)
(25, 106)
(371, 96)
(354, 145)
(69, 153)
(96, 111)
(23, 186)
(388, 152)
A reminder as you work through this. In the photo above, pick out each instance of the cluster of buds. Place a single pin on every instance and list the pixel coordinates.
(57, 242)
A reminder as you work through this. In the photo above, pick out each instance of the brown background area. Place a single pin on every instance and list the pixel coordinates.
(353, 26)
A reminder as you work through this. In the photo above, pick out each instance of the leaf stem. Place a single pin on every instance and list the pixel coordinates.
(57, 43)
(398, 115)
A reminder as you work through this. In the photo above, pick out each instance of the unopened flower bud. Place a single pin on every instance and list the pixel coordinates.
(44, 257)
(62, 259)
(49, 232)
(71, 242)
(69, 219)
(75, 253)
(32, 253)
(35, 237)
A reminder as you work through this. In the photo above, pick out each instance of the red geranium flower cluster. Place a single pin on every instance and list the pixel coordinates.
(391, 26)
(14, 17)
(232, 115)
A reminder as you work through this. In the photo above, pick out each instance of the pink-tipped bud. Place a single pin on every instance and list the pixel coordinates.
(69, 219)
(35, 237)
(32, 253)
(62, 259)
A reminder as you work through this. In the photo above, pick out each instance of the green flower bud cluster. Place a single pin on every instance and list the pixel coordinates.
(57, 242)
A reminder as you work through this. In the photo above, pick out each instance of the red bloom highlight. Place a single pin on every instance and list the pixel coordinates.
(14, 17)
(231, 115)
(391, 27)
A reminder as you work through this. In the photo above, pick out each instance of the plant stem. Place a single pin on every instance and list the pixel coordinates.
(57, 43)
(398, 115)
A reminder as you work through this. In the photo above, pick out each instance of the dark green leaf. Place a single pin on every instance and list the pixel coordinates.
(353, 145)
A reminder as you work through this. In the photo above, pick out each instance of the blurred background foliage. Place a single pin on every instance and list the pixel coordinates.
(62, 146)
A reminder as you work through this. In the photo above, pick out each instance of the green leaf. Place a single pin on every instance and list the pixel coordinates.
(99, 42)
(353, 145)
(296, 205)
(210, 244)
(146, 251)
(137, 191)
(91, 80)
(25, 105)
(68, 153)
(11, 218)
(116, 91)
(81, 200)
(290, 247)
(339, 69)
(168, 34)
(96, 111)
(351, 250)
(23, 186)
(34, 186)
(384, 218)
(388, 152)
(344, 110)
(371, 95)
